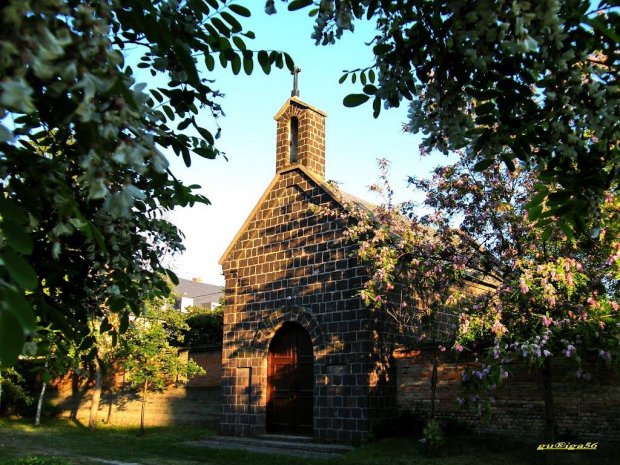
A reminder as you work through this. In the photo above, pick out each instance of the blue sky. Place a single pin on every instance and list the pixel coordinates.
(354, 139)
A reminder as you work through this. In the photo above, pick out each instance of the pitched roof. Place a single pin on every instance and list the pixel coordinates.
(337, 195)
(201, 292)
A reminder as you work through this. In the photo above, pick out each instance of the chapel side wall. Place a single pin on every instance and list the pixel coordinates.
(292, 264)
(585, 411)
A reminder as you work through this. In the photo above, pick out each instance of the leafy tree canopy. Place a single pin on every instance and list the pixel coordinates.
(83, 182)
(530, 83)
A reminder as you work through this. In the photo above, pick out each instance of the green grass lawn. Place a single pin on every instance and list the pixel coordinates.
(66, 443)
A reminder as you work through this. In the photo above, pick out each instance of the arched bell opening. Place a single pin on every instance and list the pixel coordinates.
(294, 140)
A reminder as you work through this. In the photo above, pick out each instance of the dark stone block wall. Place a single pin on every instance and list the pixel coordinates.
(293, 264)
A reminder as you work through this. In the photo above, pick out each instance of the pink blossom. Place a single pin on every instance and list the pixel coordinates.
(498, 328)
(546, 321)
(458, 348)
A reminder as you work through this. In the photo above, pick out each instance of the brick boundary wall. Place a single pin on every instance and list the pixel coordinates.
(584, 411)
(197, 402)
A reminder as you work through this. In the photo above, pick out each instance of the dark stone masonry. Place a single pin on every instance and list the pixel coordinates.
(290, 266)
(301, 353)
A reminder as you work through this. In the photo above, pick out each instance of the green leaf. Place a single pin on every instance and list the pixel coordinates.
(16, 236)
(290, 64)
(124, 323)
(12, 338)
(381, 49)
(206, 135)
(371, 76)
(510, 164)
(206, 152)
(601, 27)
(354, 100)
(187, 61)
(299, 4)
(221, 27)
(370, 89)
(485, 108)
(566, 228)
(230, 19)
(209, 61)
(279, 60)
(534, 212)
(537, 199)
(105, 326)
(263, 61)
(484, 164)
(238, 41)
(187, 159)
(16, 303)
(184, 124)
(236, 64)
(20, 270)
(157, 95)
(248, 65)
(10, 209)
(240, 10)
(173, 277)
(546, 234)
(342, 79)
(376, 107)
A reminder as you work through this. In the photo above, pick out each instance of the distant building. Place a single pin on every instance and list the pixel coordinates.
(193, 292)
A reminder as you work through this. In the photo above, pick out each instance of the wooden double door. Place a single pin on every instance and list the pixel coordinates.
(290, 381)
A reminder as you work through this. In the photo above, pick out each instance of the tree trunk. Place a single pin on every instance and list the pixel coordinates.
(94, 406)
(549, 410)
(37, 418)
(433, 385)
(146, 385)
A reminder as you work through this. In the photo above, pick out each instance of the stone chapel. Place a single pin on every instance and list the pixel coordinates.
(300, 354)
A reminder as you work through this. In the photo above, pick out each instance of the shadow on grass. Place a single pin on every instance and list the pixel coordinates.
(71, 440)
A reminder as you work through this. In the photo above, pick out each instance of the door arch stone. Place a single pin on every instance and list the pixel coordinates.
(290, 381)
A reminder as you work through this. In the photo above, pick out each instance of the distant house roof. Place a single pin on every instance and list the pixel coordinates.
(202, 293)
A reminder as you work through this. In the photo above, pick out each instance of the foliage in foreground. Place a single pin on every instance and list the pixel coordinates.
(84, 186)
(521, 82)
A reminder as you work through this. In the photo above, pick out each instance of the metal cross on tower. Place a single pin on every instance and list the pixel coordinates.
(295, 73)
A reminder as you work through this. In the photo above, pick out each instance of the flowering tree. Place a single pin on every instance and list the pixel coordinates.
(420, 268)
(84, 185)
(532, 82)
(547, 294)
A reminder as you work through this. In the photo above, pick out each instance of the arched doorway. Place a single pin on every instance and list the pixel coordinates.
(290, 381)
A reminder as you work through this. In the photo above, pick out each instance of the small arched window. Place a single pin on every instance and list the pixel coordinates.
(294, 139)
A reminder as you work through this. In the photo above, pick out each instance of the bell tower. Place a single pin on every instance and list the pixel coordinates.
(300, 134)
